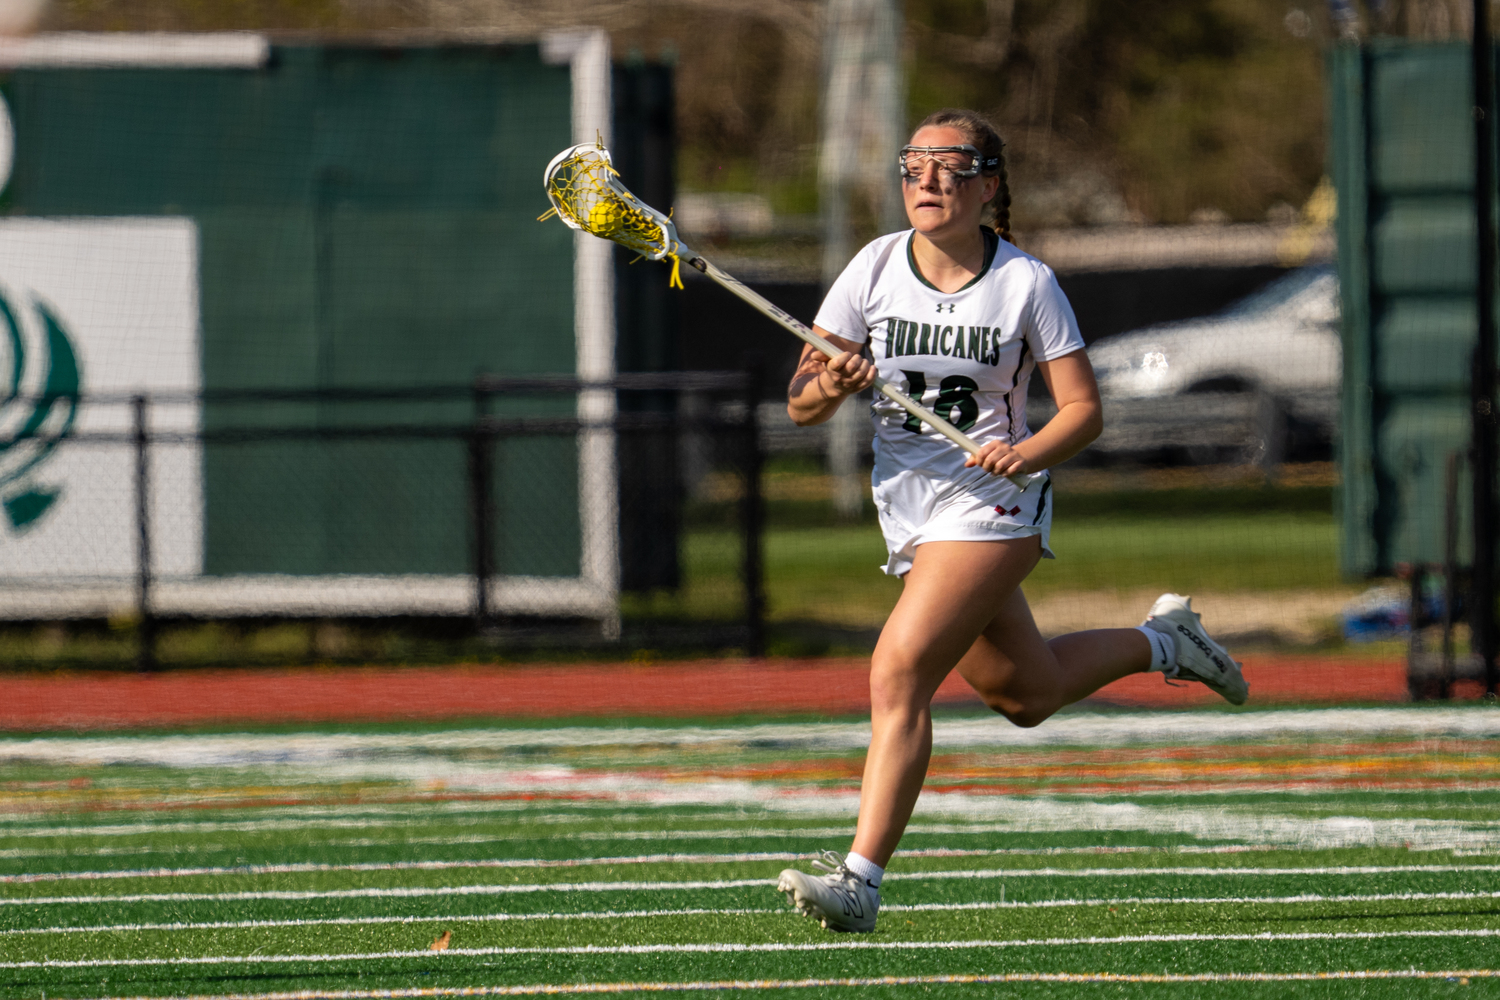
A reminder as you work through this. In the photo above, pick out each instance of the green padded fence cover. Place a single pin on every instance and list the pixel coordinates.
(366, 219)
(1402, 145)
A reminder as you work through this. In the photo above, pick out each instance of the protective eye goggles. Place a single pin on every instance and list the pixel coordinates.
(960, 161)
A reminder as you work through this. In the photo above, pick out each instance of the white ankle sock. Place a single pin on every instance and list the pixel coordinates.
(1163, 649)
(865, 869)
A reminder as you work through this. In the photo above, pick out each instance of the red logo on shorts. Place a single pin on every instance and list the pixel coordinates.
(1009, 513)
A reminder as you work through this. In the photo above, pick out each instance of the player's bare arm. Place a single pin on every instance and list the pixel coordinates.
(821, 383)
(1079, 420)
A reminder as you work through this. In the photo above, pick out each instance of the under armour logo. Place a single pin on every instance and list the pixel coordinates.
(940, 306)
(1009, 513)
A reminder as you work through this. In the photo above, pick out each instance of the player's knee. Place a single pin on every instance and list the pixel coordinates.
(1029, 717)
(894, 685)
(891, 693)
(1023, 712)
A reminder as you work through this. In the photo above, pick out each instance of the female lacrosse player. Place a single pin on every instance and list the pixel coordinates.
(953, 312)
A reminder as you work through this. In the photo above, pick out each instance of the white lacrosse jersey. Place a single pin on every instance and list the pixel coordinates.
(965, 355)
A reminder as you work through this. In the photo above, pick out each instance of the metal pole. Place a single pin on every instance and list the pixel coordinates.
(864, 102)
(1486, 637)
(1418, 669)
(481, 440)
(146, 627)
(752, 568)
(1450, 571)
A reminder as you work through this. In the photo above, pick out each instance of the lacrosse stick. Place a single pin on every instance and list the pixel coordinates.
(587, 194)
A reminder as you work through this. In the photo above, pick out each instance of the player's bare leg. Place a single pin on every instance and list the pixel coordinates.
(1027, 678)
(962, 607)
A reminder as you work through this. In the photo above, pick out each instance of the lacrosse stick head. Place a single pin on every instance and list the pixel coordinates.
(588, 195)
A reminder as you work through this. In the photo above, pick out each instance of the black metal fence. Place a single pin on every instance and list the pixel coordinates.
(518, 511)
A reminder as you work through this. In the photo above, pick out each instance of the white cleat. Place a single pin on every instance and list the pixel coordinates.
(839, 900)
(1199, 658)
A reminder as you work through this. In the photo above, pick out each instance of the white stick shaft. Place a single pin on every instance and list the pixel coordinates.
(775, 312)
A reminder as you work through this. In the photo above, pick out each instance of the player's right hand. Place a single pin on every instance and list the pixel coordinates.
(846, 373)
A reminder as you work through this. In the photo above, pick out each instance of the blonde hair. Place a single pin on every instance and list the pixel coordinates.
(982, 135)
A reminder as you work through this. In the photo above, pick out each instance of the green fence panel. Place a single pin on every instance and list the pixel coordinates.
(1402, 153)
(1417, 436)
(366, 220)
(1424, 347)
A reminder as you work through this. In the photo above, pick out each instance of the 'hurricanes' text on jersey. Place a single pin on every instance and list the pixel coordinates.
(965, 355)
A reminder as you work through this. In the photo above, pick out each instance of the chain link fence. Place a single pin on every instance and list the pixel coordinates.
(513, 513)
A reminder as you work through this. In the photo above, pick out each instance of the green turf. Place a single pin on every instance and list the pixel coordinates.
(329, 861)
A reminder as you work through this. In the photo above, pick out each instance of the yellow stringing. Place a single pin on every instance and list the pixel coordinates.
(636, 230)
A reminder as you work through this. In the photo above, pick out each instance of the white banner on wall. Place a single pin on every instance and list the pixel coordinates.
(96, 307)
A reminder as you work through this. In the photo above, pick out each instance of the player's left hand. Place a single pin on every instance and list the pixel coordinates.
(999, 459)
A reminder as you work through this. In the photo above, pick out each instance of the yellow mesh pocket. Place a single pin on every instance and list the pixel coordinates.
(586, 192)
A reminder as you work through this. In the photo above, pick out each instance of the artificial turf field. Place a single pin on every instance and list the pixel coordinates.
(1327, 853)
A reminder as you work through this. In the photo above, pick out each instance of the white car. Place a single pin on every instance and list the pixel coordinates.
(1261, 377)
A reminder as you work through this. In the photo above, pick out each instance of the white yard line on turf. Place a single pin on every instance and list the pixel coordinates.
(1051, 814)
(1176, 900)
(308, 818)
(300, 868)
(720, 948)
(386, 866)
(642, 886)
(935, 852)
(360, 921)
(727, 833)
(314, 819)
(416, 812)
(1081, 729)
(695, 912)
(632, 859)
(401, 893)
(740, 833)
(469, 812)
(1460, 975)
(281, 824)
(278, 824)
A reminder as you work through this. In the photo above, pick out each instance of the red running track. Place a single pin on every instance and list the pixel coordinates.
(40, 702)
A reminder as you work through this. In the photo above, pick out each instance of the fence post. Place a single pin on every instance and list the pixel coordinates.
(1419, 679)
(146, 624)
(753, 517)
(1450, 571)
(480, 441)
(1484, 629)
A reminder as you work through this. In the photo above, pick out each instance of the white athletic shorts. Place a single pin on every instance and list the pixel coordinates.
(917, 507)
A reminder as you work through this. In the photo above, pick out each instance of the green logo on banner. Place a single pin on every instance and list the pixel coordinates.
(32, 426)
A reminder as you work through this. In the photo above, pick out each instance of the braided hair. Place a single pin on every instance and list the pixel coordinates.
(978, 130)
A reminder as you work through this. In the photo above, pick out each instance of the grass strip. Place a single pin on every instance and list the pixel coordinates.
(925, 945)
(1115, 902)
(865, 985)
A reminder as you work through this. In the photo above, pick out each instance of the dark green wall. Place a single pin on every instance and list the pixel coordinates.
(1402, 149)
(367, 219)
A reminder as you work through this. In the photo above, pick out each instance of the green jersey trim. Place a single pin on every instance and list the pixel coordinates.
(991, 244)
